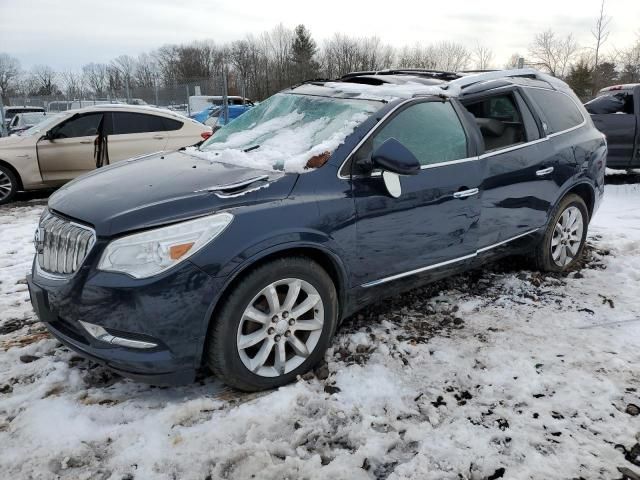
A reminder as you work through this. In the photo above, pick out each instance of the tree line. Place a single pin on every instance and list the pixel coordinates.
(260, 65)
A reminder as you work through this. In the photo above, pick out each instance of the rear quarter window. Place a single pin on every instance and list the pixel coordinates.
(558, 109)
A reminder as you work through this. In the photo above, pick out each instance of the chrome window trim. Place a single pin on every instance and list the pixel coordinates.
(512, 148)
(447, 262)
(462, 160)
(584, 120)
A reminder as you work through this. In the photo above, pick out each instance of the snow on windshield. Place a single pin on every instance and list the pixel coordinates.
(287, 131)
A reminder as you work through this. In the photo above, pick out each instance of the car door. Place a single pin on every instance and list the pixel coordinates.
(613, 114)
(518, 186)
(70, 150)
(428, 225)
(132, 134)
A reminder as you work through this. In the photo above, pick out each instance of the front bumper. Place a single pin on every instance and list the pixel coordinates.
(171, 310)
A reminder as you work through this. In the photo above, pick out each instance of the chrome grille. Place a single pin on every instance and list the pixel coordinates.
(61, 245)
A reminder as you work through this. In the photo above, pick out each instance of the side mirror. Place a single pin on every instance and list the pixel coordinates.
(394, 159)
(49, 135)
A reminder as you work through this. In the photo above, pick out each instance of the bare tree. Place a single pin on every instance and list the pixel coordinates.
(146, 72)
(126, 66)
(96, 78)
(72, 84)
(44, 78)
(553, 53)
(600, 33)
(9, 72)
(482, 57)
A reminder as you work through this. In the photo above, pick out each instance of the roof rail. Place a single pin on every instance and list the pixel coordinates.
(423, 72)
(471, 78)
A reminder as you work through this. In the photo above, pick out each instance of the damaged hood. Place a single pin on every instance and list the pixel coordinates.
(164, 188)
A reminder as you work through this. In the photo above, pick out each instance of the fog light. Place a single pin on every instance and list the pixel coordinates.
(99, 333)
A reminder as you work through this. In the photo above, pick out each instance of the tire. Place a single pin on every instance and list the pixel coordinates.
(249, 328)
(8, 185)
(548, 255)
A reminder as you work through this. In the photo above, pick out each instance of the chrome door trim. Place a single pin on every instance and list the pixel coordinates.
(489, 247)
(447, 262)
(466, 193)
(417, 270)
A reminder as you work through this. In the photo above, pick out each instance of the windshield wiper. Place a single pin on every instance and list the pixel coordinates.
(255, 147)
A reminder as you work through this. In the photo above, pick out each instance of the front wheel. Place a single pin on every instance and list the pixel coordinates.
(275, 325)
(8, 185)
(563, 242)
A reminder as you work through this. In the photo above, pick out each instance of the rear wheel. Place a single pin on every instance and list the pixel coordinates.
(8, 185)
(274, 326)
(563, 242)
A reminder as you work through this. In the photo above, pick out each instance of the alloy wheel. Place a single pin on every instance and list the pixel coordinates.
(6, 186)
(567, 236)
(280, 327)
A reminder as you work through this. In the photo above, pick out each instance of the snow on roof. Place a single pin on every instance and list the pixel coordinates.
(384, 92)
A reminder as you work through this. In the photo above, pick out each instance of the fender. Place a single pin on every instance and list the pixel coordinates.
(250, 261)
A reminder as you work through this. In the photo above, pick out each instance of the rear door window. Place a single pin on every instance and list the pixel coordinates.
(559, 110)
(125, 123)
(171, 125)
(499, 119)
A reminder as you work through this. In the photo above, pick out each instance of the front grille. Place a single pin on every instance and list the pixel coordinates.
(62, 245)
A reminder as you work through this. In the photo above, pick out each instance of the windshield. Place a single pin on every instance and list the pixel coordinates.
(45, 125)
(33, 118)
(286, 131)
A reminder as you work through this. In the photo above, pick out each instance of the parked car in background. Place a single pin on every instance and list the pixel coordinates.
(23, 121)
(616, 113)
(245, 254)
(217, 118)
(74, 142)
(10, 112)
(200, 103)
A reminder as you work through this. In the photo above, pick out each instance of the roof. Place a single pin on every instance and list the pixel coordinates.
(625, 86)
(129, 108)
(386, 85)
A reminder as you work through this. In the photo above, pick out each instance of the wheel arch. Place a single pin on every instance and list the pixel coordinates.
(327, 259)
(14, 171)
(585, 191)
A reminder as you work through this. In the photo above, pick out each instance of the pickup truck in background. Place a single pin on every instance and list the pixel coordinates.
(616, 113)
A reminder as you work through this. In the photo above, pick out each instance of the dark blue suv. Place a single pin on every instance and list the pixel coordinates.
(245, 254)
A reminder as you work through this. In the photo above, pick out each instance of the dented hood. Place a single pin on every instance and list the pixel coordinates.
(164, 188)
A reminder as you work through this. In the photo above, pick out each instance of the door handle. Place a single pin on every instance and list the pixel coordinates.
(466, 193)
(158, 137)
(86, 142)
(544, 171)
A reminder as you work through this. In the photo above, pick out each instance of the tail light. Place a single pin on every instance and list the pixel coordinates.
(206, 134)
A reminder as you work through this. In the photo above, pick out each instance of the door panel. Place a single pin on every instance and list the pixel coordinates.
(517, 192)
(71, 153)
(122, 147)
(425, 226)
(66, 158)
(620, 130)
(431, 222)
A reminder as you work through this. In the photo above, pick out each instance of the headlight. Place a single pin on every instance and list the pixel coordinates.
(148, 253)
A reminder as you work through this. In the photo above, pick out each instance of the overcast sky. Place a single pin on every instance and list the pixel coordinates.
(69, 33)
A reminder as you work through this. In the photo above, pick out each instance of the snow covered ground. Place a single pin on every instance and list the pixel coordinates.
(499, 373)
